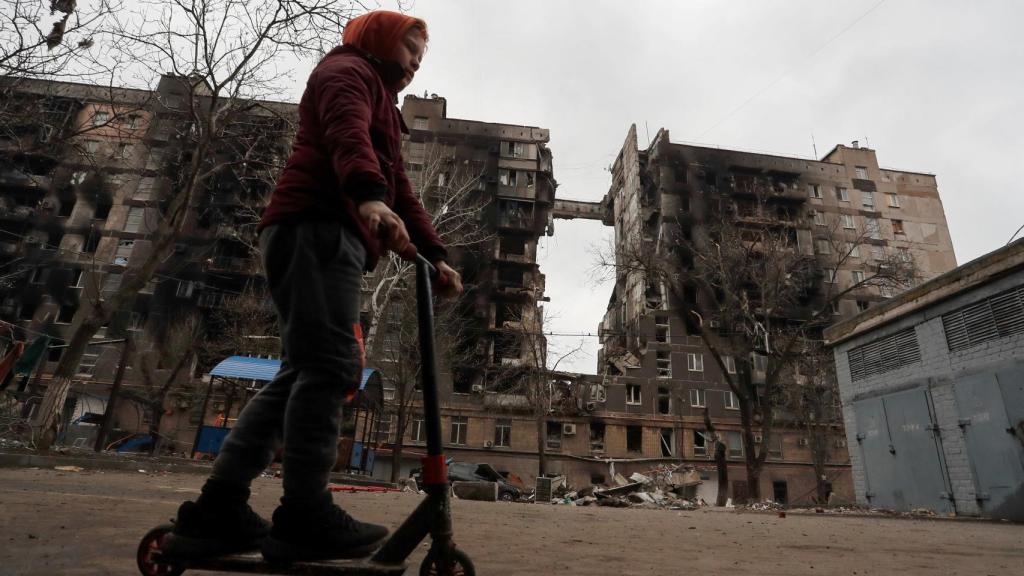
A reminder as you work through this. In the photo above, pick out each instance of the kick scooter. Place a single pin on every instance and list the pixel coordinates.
(432, 517)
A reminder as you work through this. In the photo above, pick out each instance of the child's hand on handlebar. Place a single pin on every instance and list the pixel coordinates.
(448, 283)
(385, 225)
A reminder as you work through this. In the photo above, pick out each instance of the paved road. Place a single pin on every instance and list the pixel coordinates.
(89, 523)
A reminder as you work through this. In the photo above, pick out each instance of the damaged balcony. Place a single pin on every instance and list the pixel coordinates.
(516, 215)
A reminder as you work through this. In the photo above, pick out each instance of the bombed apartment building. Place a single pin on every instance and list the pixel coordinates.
(90, 178)
(843, 220)
(489, 188)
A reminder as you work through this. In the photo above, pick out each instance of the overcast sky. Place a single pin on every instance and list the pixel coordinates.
(932, 86)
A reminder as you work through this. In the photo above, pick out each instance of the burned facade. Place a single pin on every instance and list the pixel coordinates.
(88, 176)
(499, 179)
(659, 375)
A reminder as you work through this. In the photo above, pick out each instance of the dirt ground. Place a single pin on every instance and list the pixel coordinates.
(89, 523)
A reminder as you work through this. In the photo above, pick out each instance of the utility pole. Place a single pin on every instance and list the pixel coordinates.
(108, 413)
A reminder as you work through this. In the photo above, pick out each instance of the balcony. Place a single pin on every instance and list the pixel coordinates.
(18, 212)
(233, 265)
(519, 222)
(19, 179)
(9, 249)
(504, 401)
(515, 258)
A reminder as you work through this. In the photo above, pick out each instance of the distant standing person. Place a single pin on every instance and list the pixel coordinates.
(342, 200)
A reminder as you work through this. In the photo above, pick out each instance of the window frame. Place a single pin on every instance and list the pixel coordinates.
(730, 401)
(698, 398)
(694, 361)
(458, 429)
(503, 432)
(634, 395)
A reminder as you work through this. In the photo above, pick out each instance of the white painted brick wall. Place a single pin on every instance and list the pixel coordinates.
(936, 371)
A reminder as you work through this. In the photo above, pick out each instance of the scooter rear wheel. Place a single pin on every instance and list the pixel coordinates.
(458, 564)
(149, 546)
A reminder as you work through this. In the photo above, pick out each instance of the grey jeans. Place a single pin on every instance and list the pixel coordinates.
(313, 272)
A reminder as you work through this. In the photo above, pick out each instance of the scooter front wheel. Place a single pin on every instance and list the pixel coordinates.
(149, 547)
(457, 564)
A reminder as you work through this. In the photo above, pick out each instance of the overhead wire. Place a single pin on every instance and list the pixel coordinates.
(791, 69)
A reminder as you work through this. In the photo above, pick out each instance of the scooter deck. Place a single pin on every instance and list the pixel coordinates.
(253, 563)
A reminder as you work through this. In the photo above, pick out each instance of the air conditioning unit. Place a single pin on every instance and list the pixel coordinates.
(568, 429)
(802, 442)
(758, 438)
(47, 204)
(477, 388)
(488, 444)
(591, 406)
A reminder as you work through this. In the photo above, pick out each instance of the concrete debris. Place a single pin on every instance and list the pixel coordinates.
(664, 487)
(640, 498)
(638, 477)
(766, 506)
(69, 468)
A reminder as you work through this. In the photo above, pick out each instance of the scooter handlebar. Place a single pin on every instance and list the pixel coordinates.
(411, 254)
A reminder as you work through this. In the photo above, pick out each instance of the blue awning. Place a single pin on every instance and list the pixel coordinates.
(247, 368)
(263, 369)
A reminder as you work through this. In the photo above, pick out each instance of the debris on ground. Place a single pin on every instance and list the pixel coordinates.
(69, 468)
(766, 506)
(663, 487)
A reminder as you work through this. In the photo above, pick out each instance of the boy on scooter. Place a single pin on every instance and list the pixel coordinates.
(342, 200)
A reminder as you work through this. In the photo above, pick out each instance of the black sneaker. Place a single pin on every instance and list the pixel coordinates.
(327, 536)
(204, 532)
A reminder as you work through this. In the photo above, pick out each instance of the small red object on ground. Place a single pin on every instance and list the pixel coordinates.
(347, 488)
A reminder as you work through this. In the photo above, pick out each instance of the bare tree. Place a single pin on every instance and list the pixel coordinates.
(165, 368)
(522, 379)
(811, 403)
(226, 54)
(450, 193)
(397, 356)
(40, 38)
(246, 324)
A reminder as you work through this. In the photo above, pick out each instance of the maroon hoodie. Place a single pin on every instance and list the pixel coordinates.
(348, 150)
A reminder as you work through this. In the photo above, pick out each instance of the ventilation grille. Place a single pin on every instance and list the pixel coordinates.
(995, 317)
(884, 355)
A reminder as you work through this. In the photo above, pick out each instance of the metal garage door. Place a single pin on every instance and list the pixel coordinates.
(901, 452)
(991, 409)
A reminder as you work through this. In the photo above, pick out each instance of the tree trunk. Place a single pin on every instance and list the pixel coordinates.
(48, 416)
(819, 456)
(396, 447)
(542, 464)
(723, 473)
(751, 460)
(156, 418)
(721, 466)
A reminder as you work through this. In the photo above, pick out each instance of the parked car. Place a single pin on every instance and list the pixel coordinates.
(470, 472)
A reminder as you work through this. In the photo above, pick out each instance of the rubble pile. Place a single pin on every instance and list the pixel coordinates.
(665, 487)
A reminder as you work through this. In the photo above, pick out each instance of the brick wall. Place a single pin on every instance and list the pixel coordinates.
(935, 373)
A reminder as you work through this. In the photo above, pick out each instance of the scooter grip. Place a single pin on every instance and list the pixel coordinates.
(410, 253)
